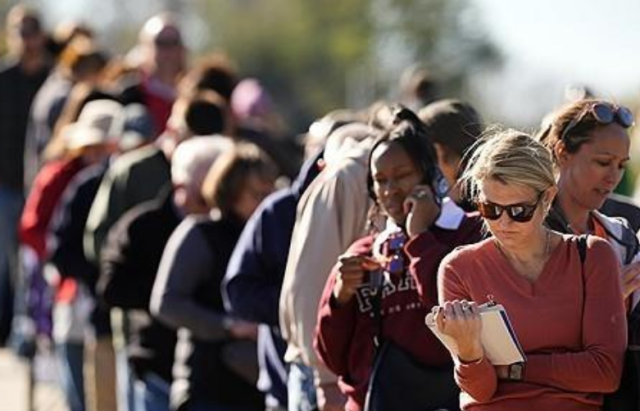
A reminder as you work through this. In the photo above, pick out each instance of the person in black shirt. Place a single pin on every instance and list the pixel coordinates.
(20, 78)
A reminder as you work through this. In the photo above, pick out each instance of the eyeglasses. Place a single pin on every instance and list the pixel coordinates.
(603, 113)
(167, 41)
(520, 213)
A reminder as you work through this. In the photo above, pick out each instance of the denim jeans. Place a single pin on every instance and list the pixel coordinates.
(11, 202)
(152, 393)
(301, 387)
(71, 359)
(124, 382)
(124, 374)
(208, 406)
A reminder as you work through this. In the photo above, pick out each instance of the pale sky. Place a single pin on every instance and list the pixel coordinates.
(551, 43)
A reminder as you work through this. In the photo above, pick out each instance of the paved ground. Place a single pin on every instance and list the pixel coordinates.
(14, 384)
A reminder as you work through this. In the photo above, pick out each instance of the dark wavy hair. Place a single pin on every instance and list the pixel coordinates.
(411, 134)
(551, 133)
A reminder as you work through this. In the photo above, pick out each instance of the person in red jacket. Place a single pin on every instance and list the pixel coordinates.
(88, 141)
(409, 194)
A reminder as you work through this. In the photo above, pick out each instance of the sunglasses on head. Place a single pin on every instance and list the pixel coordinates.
(520, 213)
(603, 113)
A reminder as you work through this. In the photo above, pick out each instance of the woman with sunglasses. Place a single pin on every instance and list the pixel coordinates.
(384, 284)
(567, 315)
(590, 147)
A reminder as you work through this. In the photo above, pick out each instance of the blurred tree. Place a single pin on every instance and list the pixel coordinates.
(300, 50)
(312, 56)
(318, 56)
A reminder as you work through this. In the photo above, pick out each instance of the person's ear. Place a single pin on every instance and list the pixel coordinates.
(561, 153)
(440, 152)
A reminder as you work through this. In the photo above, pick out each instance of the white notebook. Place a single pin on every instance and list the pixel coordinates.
(499, 341)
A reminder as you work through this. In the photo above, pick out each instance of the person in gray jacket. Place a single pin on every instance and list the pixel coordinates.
(186, 294)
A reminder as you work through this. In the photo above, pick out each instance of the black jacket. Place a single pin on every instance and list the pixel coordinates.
(129, 263)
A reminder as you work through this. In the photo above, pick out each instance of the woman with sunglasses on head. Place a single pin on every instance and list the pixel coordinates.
(384, 284)
(573, 338)
(590, 147)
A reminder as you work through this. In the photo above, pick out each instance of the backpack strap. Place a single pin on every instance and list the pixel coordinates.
(376, 304)
(581, 242)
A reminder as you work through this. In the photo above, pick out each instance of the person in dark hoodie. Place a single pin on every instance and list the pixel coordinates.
(251, 288)
(130, 262)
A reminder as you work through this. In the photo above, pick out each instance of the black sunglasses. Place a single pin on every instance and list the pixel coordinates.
(520, 213)
(603, 113)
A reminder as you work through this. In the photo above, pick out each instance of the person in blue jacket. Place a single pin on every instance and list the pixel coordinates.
(251, 288)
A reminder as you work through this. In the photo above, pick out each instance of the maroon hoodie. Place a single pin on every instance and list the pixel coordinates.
(344, 335)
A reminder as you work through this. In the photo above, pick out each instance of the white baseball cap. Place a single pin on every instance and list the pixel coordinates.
(100, 121)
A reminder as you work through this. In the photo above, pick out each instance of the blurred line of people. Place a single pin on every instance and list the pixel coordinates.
(177, 250)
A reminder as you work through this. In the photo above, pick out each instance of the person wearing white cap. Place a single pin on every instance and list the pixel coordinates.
(100, 123)
(136, 177)
(87, 141)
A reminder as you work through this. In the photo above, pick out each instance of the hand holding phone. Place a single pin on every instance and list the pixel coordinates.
(422, 210)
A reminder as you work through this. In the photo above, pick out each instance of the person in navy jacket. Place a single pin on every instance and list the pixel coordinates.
(251, 288)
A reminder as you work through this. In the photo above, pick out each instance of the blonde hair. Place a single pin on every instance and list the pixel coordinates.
(510, 157)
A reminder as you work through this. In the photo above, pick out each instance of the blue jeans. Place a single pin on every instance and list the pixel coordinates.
(11, 202)
(152, 393)
(301, 388)
(124, 382)
(125, 395)
(207, 406)
(71, 359)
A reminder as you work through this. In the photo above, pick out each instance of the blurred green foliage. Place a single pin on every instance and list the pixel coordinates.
(311, 55)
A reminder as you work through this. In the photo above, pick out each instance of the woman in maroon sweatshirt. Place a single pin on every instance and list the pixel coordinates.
(409, 194)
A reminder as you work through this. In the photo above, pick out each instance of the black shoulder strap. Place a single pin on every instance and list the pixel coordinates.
(376, 305)
(581, 241)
